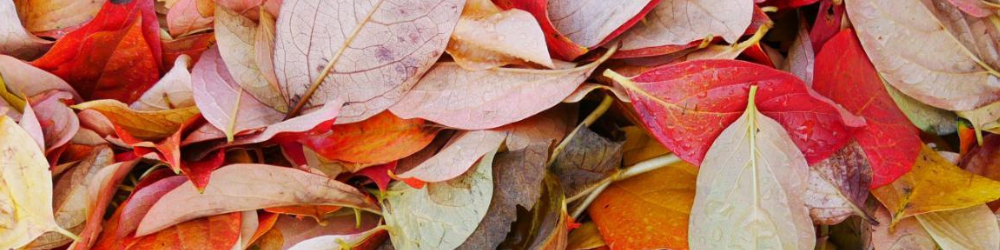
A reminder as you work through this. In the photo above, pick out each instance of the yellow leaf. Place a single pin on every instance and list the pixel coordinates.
(11, 98)
(26, 200)
(935, 184)
(145, 125)
(981, 118)
(973, 228)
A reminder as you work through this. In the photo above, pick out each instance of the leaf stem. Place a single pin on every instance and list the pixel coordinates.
(631, 171)
(66, 233)
(590, 119)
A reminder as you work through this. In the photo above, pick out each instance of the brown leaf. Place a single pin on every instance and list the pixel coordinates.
(838, 186)
(586, 160)
(240, 187)
(368, 55)
(518, 183)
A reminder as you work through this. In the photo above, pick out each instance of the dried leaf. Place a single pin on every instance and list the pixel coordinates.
(968, 228)
(380, 139)
(753, 144)
(337, 242)
(586, 160)
(26, 206)
(213, 232)
(242, 44)
(577, 20)
(488, 39)
(145, 125)
(441, 215)
(172, 91)
(343, 54)
(674, 23)
(58, 17)
(502, 96)
(14, 39)
(660, 199)
(927, 118)
(801, 56)
(188, 16)
(960, 84)
(457, 156)
(241, 187)
(905, 235)
(838, 186)
(23, 80)
(70, 198)
(223, 102)
(546, 225)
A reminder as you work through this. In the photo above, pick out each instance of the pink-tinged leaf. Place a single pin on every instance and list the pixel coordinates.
(338, 242)
(679, 23)
(368, 55)
(974, 8)
(319, 120)
(486, 38)
(29, 122)
(22, 79)
(549, 127)
(59, 122)
(191, 45)
(247, 49)
(107, 181)
(246, 7)
(829, 22)
(560, 46)
(294, 230)
(14, 39)
(141, 200)
(223, 102)
(686, 105)
(456, 157)
(578, 20)
(189, 16)
(844, 74)
(241, 187)
(503, 96)
(172, 91)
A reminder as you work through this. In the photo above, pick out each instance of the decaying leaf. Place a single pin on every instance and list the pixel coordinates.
(441, 215)
(367, 55)
(70, 197)
(546, 225)
(172, 91)
(754, 179)
(929, 119)
(223, 102)
(838, 186)
(380, 139)
(586, 160)
(240, 187)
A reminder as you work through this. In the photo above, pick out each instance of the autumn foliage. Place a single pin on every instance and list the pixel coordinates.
(499, 124)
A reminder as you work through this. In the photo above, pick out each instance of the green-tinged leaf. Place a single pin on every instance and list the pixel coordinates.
(927, 118)
(441, 215)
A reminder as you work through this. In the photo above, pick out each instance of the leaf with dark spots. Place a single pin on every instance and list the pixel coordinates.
(586, 160)
(518, 177)
(838, 186)
(344, 55)
(546, 225)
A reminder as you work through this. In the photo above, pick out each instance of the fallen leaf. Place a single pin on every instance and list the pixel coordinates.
(586, 160)
(687, 105)
(107, 181)
(380, 139)
(844, 74)
(935, 184)
(336, 242)
(546, 225)
(240, 187)
(586, 88)
(56, 18)
(247, 49)
(485, 39)
(59, 122)
(968, 228)
(26, 206)
(984, 160)
(14, 39)
(982, 117)
(576, 19)
(189, 16)
(907, 234)
(170, 92)
(801, 57)
(29, 123)
(830, 20)
(348, 51)
(223, 102)
(585, 237)
(115, 56)
(550, 126)
(70, 197)
(960, 84)
(245, 6)
(441, 215)
(502, 96)
(315, 212)
(193, 46)
(677, 23)
(838, 186)
(461, 153)
(640, 146)
(972, 7)
(213, 232)
(927, 118)
(661, 199)
(141, 200)
(517, 182)
(23, 80)
(757, 144)
(293, 230)
(145, 125)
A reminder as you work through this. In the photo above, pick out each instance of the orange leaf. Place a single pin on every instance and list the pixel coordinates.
(209, 233)
(380, 139)
(315, 212)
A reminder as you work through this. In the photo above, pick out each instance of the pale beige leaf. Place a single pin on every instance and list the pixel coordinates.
(982, 116)
(972, 228)
(26, 203)
(335, 242)
(588, 87)
(753, 179)
(14, 39)
(441, 215)
(679, 22)
(241, 187)
(905, 235)
(590, 22)
(71, 198)
(373, 50)
(238, 44)
(172, 91)
(491, 41)
(499, 96)
(978, 34)
(801, 56)
(915, 53)
(457, 156)
(548, 127)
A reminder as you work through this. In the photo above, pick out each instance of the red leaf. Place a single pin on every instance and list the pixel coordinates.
(687, 105)
(192, 46)
(199, 172)
(380, 139)
(828, 22)
(378, 174)
(115, 56)
(845, 75)
(788, 4)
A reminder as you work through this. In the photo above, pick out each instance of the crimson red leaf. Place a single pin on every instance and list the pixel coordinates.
(687, 105)
(828, 22)
(845, 75)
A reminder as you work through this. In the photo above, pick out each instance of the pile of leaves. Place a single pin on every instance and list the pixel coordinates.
(503, 124)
